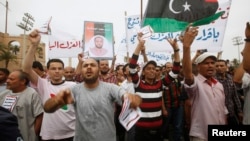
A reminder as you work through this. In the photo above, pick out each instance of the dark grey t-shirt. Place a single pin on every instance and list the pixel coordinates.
(95, 111)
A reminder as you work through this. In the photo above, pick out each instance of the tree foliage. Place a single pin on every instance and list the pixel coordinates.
(6, 55)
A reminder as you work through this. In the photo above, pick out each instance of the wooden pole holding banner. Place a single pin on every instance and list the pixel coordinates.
(70, 61)
(6, 17)
(141, 8)
(127, 58)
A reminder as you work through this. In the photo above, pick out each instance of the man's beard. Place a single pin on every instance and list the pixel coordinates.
(99, 47)
(220, 72)
(91, 80)
(2, 81)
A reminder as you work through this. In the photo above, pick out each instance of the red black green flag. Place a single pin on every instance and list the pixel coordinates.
(98, 28)
(175, 15)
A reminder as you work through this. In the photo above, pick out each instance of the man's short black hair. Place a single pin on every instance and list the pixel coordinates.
(5, 71)
(221, 60)
(37, 64)
(158, 66)
(124, 67)
(118, 67)
(54, 61)
(149, 62)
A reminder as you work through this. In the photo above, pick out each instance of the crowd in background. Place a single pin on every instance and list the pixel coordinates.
(178, 100)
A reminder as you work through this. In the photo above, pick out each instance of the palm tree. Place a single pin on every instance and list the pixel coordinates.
(235, 63)
(6, 55)
(14, 49)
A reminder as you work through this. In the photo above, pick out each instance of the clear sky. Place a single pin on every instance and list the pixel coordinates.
(71, 14)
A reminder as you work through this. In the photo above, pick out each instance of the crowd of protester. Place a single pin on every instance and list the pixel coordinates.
(178, 100)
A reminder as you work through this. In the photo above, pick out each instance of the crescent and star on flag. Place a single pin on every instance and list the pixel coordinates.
(186, 7)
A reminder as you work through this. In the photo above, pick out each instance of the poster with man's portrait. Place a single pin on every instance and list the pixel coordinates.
(98, 40)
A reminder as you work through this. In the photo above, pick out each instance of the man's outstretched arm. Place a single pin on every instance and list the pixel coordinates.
(187, 40)
(246, 50)
(62, 98)
(34, 38)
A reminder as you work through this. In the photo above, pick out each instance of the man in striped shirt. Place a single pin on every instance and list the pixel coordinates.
(148, 127)
(232, 101)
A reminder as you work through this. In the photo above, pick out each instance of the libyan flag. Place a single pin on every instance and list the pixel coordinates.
(175, 15)
(92, 29)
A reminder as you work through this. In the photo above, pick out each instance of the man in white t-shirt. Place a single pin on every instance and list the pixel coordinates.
(61, 124)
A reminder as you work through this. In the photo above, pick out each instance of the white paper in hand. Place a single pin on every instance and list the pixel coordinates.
(128, 116)
(85, 55)
(147, 32)
(45, 28)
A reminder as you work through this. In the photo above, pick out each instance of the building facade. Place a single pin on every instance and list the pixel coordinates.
(18, 46)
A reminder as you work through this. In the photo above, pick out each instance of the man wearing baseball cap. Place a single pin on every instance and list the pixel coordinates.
(206, 93)
(203, 57)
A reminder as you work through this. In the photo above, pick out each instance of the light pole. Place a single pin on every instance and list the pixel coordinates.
(6, 15)
(26, 25)
(237, 41)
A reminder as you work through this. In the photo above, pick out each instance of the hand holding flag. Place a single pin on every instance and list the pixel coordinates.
(35, 37)
(45, 29)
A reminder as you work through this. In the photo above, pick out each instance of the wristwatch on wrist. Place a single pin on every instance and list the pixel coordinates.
(176, 50)
(247, 39)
